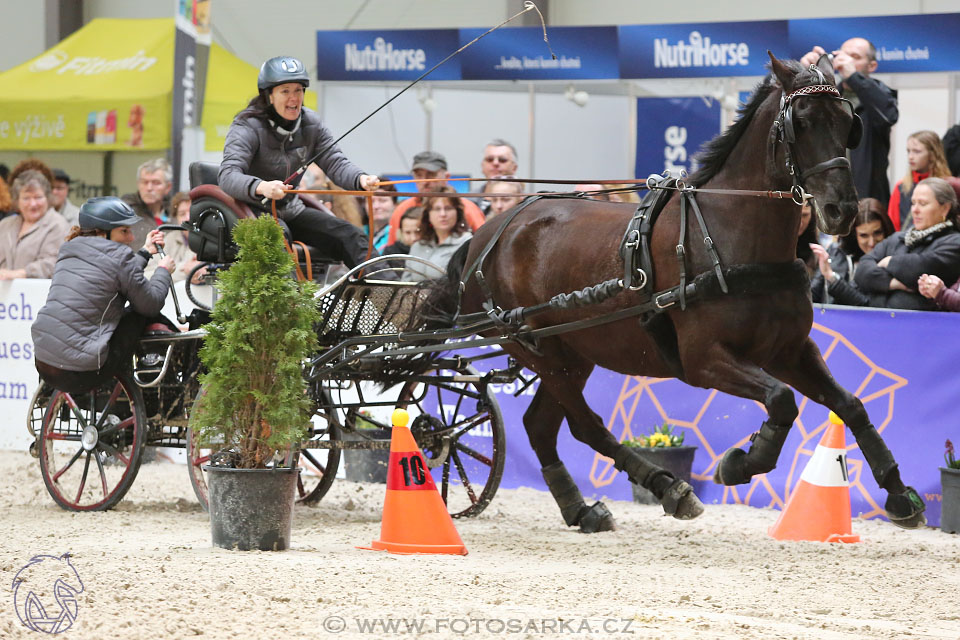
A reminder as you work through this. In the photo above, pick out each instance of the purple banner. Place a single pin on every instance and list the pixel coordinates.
(900, 364)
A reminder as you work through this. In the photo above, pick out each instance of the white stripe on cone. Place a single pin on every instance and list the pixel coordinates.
(827, 468)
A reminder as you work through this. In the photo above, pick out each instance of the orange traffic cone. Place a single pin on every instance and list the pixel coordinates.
(415, 519)
(819, 507)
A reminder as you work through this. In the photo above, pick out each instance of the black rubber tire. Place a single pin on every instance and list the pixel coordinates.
(114, 412)
(316, 477)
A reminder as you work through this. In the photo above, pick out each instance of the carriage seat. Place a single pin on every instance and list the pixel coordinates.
(204, 185)
(157, 329)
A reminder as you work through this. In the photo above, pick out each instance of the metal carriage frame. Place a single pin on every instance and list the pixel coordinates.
(90, 447)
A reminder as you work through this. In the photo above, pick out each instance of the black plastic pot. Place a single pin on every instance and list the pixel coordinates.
(950, 500)
(366, 465)
(676, 460)
(251, 508)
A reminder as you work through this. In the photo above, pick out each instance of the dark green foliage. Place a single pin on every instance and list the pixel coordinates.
(260, 334)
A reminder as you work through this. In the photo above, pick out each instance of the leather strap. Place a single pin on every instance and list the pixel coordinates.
(306, 256)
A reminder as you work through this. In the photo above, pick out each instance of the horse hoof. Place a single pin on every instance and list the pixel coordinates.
(906, 509)
(597, 518)
(681, 502)
(729, 470)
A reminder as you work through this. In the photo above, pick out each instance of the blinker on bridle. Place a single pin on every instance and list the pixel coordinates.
(785, 133)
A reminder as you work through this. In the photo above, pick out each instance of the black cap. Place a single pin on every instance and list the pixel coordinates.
(61, 175)
(106, 213)
(430, 161)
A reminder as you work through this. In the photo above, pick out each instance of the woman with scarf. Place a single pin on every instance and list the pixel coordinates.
(271, 139)
(890, 274)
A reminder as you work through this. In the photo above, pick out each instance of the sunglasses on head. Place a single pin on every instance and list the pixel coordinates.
(500, 159)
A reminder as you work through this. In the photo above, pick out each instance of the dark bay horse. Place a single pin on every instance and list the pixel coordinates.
(751, 342)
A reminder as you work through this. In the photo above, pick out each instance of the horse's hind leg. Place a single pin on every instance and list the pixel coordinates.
(809, 375)
(542, 421)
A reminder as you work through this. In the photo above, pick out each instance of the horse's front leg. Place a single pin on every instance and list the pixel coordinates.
(808, 374)
(717, 367)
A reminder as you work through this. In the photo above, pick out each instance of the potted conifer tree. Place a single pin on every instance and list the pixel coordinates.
(255, 405)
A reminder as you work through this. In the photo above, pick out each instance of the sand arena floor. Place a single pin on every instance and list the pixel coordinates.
(149, 571)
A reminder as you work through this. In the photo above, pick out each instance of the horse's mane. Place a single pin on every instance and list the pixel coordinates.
(714, 153)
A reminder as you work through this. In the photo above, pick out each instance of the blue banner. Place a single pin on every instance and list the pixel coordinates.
(900, 364)
(714, 49)
(386, 55)
(671, 130)
(521, 54)
(904, 43)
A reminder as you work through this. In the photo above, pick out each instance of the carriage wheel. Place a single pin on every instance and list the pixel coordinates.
(90, 445)
(318, 466)
(38, 407)
(458, 426)
(197, 457)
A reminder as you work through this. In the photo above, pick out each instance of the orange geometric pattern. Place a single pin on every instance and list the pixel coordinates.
(711, 425)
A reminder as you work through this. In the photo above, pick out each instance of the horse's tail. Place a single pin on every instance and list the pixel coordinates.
(438, 309)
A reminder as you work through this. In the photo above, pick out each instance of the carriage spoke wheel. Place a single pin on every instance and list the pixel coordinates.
(459, 428)
(318, 467)
(90, 445)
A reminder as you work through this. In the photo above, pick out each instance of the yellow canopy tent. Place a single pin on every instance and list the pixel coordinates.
(106, 87)
(109, 87)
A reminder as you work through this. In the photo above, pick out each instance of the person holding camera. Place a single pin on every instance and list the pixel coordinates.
(875, 103)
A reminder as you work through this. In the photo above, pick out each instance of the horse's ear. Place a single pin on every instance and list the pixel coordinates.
(783, 73)
(825, 66)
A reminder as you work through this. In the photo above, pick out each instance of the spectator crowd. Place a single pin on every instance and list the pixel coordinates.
(903, 251)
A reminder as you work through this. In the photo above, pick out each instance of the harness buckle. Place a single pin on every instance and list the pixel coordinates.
(658, 304)
(633, 240)
(681, 252)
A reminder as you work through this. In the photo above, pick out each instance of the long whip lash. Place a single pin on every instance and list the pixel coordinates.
(527, 6)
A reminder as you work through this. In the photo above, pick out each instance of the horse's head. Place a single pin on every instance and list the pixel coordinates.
(809, 140)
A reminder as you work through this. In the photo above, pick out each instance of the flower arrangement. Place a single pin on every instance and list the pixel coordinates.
(949, 458)
(662, 436)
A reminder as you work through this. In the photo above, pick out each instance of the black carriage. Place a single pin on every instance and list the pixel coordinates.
(90, 447)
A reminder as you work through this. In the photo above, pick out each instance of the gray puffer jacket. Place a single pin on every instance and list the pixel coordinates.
(255, 151)
(92, 282)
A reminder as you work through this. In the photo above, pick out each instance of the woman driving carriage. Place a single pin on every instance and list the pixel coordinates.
(86, 333)
(270, 139)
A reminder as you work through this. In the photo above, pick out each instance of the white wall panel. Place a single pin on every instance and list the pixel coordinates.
(583, 142)
(22, 32)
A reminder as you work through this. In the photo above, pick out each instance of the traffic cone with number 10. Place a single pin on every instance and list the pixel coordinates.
(415, 519)
(819, 506)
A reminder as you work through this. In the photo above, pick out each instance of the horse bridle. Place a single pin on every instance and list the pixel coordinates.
(783, 132)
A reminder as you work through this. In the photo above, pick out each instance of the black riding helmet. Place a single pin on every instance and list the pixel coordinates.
(281, 70)
(106, 213)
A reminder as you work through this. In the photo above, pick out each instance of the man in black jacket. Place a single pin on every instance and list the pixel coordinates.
(875, 103)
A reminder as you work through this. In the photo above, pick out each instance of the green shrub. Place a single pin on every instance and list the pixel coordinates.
(261, 331)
